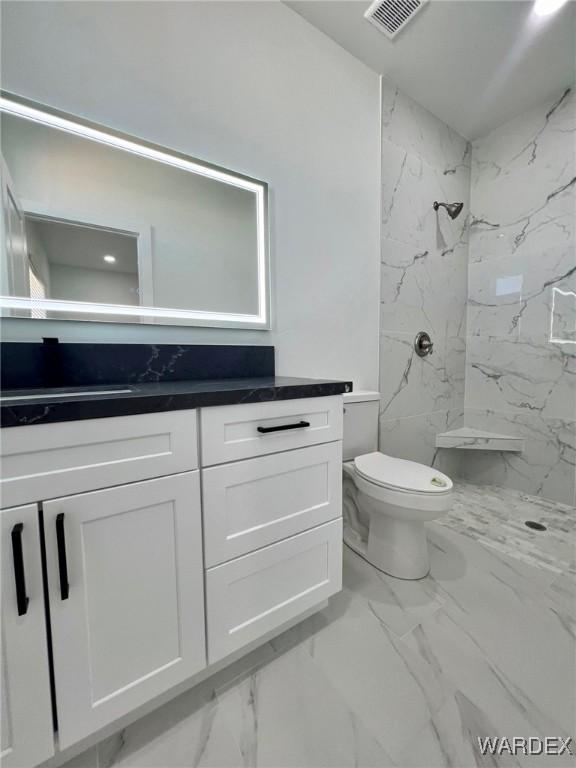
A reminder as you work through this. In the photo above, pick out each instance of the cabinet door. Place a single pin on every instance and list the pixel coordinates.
(125, 579)
(26, 737)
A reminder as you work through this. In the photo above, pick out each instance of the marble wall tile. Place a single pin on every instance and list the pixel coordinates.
(424, 267)
(409, 188)
(546, 467)
(524, 181)
(531, 293)
(408, 125)
(414, 438)
(521, 319)
(521, 376)
(529, 137)
(411, 385)
(563, 314)
(423, 289)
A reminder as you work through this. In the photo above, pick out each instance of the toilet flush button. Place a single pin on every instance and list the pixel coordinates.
(438, 482)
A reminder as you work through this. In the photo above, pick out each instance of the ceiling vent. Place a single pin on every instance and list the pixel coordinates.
(391, 16)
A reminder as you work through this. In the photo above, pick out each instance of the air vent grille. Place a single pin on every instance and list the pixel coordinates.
(391, 16)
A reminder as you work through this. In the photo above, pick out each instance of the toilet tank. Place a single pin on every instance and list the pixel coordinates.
(360, 423)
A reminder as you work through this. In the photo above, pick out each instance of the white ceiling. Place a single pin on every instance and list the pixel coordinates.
(473, 63)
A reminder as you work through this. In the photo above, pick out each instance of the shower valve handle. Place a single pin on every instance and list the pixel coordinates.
(423, 344)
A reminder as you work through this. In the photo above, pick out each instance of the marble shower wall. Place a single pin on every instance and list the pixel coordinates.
(423, 280)
(521, 324)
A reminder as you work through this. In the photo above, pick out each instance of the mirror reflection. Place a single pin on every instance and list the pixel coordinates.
(100, 231)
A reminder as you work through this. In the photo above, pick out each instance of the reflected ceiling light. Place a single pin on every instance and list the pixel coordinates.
(547, 7)
(109, 259)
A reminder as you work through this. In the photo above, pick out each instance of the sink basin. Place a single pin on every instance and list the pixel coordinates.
(62, 393)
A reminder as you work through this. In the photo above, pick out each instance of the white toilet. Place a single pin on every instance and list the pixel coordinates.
(386, 501)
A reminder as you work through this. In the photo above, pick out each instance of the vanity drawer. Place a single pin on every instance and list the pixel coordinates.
(257, 593)
(252, 503)
(44, 461)
(233, 432)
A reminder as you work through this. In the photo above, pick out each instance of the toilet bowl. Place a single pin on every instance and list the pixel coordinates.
(386, 502)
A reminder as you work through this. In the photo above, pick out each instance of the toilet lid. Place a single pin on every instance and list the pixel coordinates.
(400, 474)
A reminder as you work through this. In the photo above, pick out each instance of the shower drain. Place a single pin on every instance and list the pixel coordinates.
(535, 526)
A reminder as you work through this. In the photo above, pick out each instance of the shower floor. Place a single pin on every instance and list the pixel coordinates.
(397, 673)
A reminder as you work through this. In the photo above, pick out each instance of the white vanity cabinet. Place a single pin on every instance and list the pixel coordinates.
(124, 573)
(126, 598)
(152, 549)
(272, 520)
(26, 738)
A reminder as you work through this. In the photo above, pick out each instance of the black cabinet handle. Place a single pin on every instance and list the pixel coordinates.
(62, 562)
(19, 576)
(282, 427)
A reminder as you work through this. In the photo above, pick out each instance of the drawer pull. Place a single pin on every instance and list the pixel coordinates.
(62, 561)
(19, 577)
(282, 427)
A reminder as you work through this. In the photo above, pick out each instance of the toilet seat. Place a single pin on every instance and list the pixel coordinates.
(401, 476)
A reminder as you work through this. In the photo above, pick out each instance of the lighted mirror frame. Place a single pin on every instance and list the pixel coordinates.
(29, 110)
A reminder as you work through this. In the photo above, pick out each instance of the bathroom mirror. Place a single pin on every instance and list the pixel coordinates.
(103, 226)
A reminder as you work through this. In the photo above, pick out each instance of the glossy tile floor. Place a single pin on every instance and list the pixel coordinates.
(397, 673)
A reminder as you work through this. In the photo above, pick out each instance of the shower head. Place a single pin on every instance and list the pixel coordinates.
(454, 209)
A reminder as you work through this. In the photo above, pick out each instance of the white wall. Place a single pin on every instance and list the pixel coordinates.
(247, 85)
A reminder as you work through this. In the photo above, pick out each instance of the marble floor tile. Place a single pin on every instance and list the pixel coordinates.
(187, 732)
(390, 688)
(563, 592)
(496, 518)
(397, 603)
(397, 673)
(522, 687)
(508, 647)
(451, 739)
(288, 714)
(87, 759)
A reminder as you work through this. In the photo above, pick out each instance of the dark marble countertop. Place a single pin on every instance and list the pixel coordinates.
(98, 401)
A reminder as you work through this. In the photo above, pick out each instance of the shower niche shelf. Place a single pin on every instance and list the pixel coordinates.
(467, 438)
